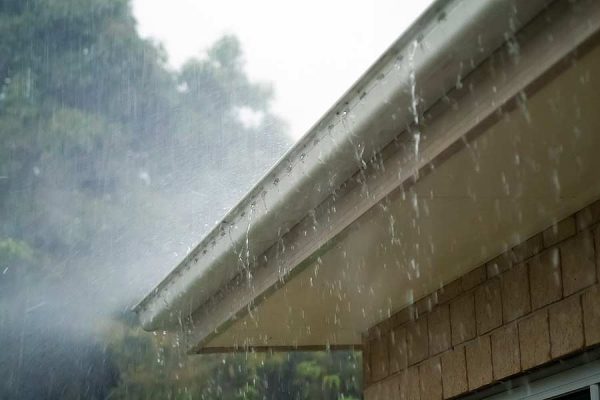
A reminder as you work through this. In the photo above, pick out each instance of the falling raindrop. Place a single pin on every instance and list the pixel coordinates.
(414, 107)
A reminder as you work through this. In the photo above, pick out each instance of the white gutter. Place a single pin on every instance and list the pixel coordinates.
(446, 43)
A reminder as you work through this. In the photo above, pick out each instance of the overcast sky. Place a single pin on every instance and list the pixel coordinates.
(312, 51)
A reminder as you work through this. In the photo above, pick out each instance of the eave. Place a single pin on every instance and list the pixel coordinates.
(330, 167)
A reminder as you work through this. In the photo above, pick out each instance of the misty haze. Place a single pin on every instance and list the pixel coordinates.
(170, 228)
(112, 166)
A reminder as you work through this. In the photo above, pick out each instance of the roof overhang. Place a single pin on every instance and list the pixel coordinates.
(351, 225)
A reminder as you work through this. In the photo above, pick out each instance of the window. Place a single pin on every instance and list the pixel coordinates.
(578, 383)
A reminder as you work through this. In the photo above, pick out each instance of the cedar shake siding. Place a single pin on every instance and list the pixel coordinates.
(533, 305)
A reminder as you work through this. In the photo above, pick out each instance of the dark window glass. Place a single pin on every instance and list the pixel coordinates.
(579, 395)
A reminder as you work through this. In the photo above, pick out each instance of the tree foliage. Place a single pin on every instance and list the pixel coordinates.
(112, 164)
(168, 373)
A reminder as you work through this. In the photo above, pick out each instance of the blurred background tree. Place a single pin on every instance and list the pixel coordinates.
(112, 165)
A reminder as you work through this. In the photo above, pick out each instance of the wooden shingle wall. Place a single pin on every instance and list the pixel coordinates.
(536, 303)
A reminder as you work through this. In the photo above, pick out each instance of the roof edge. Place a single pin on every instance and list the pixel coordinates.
(448, 41)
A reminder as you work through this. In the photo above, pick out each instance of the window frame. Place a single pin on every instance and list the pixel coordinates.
(560, 384)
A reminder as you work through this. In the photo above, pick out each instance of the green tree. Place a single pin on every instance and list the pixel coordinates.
(111, 165)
